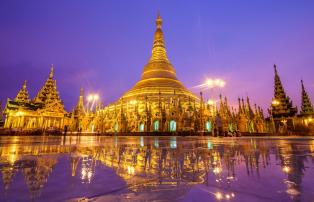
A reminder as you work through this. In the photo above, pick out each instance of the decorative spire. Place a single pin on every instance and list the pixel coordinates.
(51, 71)
(158, 72)
(158, 21)
(53, 95)
(22, 95)
(159, 48)
(275, 69)
(250, 111)
(240, 107)
(243, 105)
(283, 106)
(79, 109)
(256, 112)
(81, 92)
(306, 105)
(45, 90)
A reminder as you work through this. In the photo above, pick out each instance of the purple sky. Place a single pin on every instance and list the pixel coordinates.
(104, 45)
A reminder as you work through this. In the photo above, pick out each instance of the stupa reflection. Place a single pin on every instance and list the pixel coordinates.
(172, 165)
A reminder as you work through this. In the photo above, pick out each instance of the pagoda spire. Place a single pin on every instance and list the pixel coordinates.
(283, 106)
(45, 90)
(51, 71)
(306, 105)
(22, 95)
(53, 93)
(255, 109)
(227, 109)
(249, 109)
(158, 73)
(159, 48)
(243, 106)
(79, 109)
(239, 107)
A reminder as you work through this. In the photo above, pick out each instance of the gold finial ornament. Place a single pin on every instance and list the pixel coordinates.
(51, 71)
(24, 85)
(158, 21)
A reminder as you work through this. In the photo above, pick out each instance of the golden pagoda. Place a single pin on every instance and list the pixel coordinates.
(158, 76)
(157, 102)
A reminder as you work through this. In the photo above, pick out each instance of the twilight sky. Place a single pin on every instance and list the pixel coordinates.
(103, 45)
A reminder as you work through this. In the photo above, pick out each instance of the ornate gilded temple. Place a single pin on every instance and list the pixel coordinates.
(46, 110)
(158, 102)
(284, 116)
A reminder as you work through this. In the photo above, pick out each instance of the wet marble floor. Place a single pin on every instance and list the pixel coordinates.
(93, 168)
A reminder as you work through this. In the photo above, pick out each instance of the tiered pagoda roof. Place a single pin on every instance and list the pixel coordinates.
(306, 105)
(47, 97)
(22, 95)
(282, 107)
(46, 89)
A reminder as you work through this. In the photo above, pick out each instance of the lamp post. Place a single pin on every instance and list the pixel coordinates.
(211, 84)
(214, 83)
(91, 100)
(274, 103)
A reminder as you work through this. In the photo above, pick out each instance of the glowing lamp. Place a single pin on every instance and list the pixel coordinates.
(96, 97)
(219, 196)
(133, 102)
(275, 102)
(89, 98)
(211, 83)
(286, 169)
(211, 102)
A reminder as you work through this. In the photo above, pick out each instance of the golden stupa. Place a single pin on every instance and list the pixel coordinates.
(158, 102)
(159, 76)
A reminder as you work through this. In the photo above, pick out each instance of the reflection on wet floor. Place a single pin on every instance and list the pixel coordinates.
(156, 168)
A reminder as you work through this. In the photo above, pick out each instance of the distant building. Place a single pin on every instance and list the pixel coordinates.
(284, 115)
(307, 112)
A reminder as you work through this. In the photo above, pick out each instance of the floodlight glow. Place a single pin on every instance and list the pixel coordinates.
(211, 83)
(275, 102)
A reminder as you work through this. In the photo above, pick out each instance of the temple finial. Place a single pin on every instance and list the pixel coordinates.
(247, 100)
(158, 20)
(275, 68)
(159, 50)
(24, 84)
(81, 91)
(51, 71)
